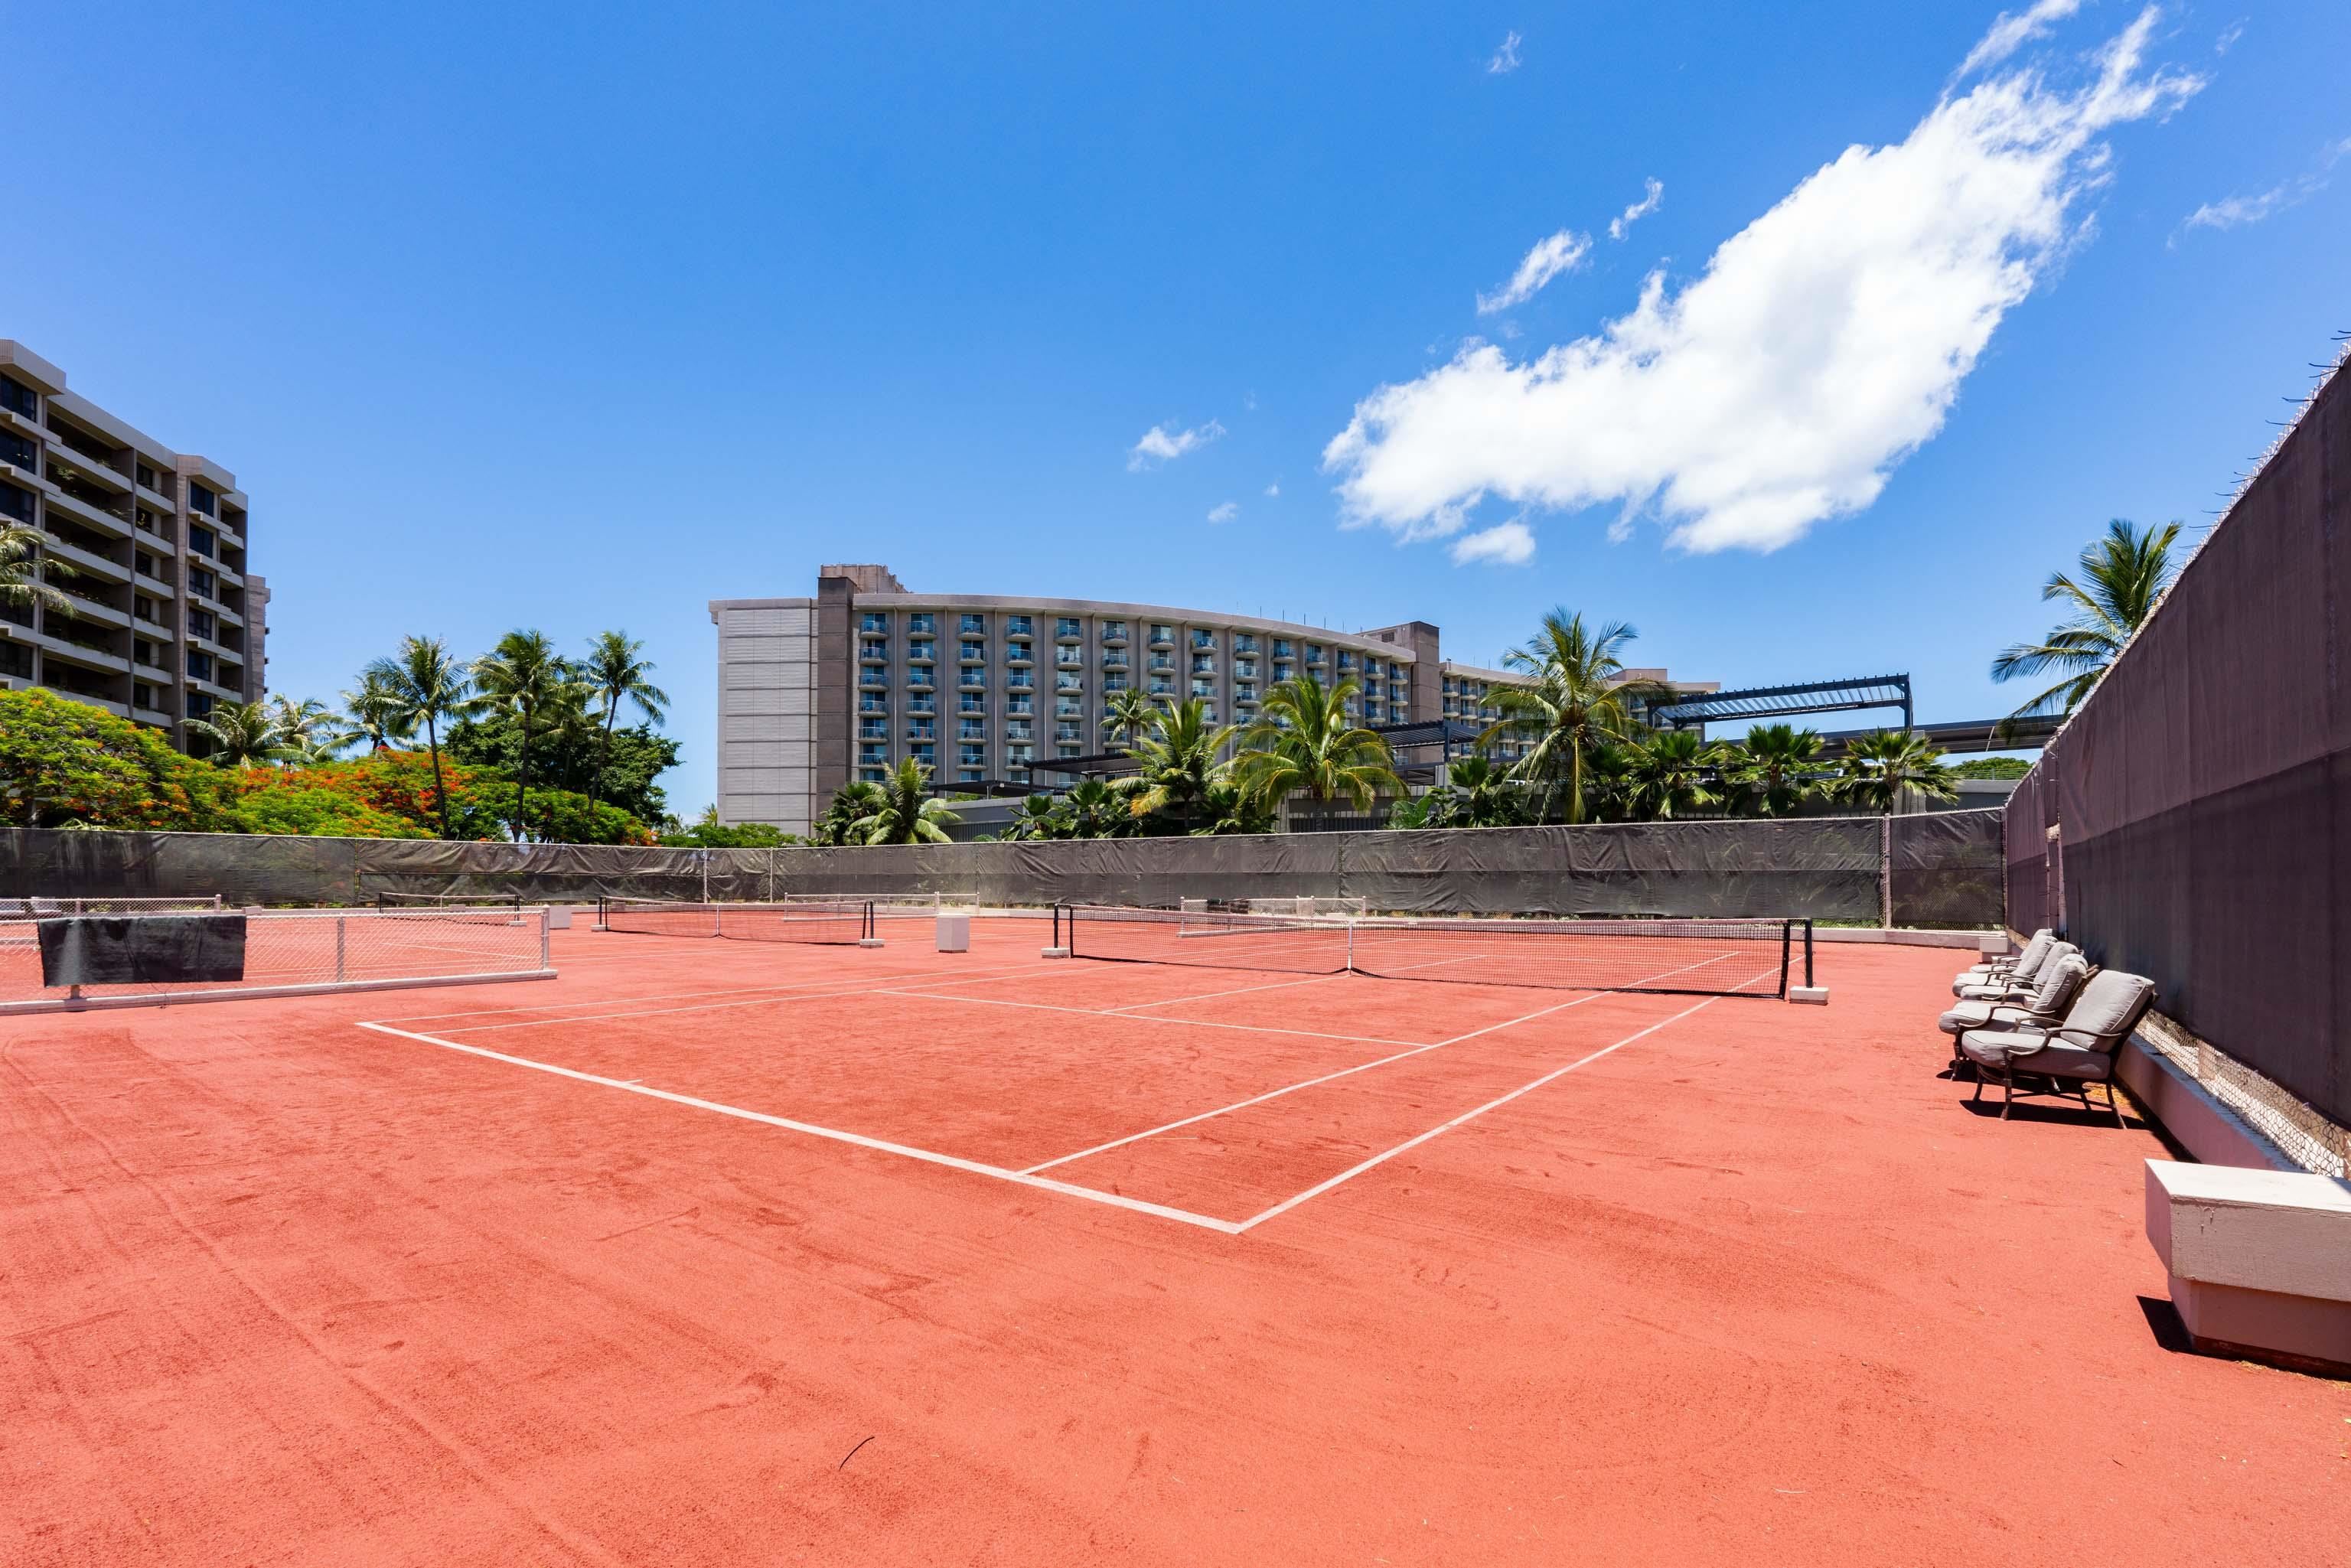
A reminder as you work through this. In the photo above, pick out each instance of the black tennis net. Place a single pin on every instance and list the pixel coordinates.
(1752, 958)
(846, 921)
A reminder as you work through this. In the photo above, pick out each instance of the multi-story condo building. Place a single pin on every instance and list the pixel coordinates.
(165, 620)
(983, 689)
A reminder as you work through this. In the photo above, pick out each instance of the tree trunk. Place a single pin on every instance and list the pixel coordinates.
(440, 789)
(522, 783)
(603, 756)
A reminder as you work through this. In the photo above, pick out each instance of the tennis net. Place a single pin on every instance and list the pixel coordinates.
(1693, 957)
(44, 908)
(843, 921)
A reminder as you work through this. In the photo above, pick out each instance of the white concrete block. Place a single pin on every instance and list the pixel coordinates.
(954, 933)
(1817, 996)
(2260, 1260)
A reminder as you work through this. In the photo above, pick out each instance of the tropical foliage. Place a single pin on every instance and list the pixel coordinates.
(1577, 699)
(2122, 575)
(906, 812)
(1306, 743)
(26, 574)
(1178, 760)
(1882, 766)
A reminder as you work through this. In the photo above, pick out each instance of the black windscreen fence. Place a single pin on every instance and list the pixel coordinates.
(2201, 799)
(1941, 869)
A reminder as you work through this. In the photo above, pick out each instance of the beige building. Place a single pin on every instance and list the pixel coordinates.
(164, 621)
(982, 689)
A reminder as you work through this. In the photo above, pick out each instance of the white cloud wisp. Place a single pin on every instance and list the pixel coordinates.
(1224, 511)
(1562, 252)
(2011, 30)
(1821, 344)
(1653, 193)
(1506, 59)
(1504, 543)
(2234, 211)
(1161, 445)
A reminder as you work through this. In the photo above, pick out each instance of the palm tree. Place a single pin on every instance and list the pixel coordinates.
(523, 677)
(1129, 711)
(301, 723)
(1575, 701)
(1178, 758)
(613, 671)
(1480, 794)
(1038, 817)
(1305, 742)
(850, 804)
(909, 813)
(1880, 766)
(1671, 772)
(243, 735)
(373, 714)
(2124, 574)
(1777, 763)
(25, 572)
(425, 686)
(1097, 810)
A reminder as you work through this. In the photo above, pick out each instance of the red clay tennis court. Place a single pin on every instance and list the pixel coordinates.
(743, 1252)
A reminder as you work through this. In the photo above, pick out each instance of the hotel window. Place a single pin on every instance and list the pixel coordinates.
(971, 623)
(872, 702)
(1016, 729)
(1067, 629)
(921, 701)
(199, 705)
(971, 776)
(970, 702)
(18, 398)
(972, 756)
(1019, 756)
(1244, 643)
(1020, 680)
(1245, 691)
(971, 729)
(875, 775)
(1281, 672)
(874, 729)
(923, 624)
(200, 539)
(1314, 652)
(200, 665)
(1282, 647)
(873, 621)
(201, 623)
(1069, 682)
(1245, 669)
(1163, 634)
(974, 653)
(873, 652)
(1114, 631)
(1114, 683)
(926, 754)
(1069, 732)
(1203, 639)
(1019, 704)
(16, 504)
(15, 449)
(922, 729)
(201, 498)
(922, 648)
(1019, 626)
(201, 582)
(1204, 688)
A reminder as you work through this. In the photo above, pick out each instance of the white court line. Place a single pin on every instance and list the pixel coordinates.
(860, 1140)
(1310, 1082)
(781, 987)
(1319, 1188)
(867, 989)
(1180, 1023)
(1242, 991)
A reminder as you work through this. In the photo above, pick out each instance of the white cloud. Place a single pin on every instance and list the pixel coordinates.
(1562, 252)
(1506, 59)
(2234, 211)
(1273, 489)
(1654, 192)
(1225, 512)
(1821, 344)
(1504, 543)
(2011, 31)
(2229, 36)
(1161, 445)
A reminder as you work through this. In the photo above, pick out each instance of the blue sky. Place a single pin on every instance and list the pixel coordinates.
(580, 316)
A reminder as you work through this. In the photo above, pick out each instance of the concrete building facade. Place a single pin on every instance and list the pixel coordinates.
(816, 692)
(166, 619)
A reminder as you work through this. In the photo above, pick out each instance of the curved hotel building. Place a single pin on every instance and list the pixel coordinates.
(983, 688)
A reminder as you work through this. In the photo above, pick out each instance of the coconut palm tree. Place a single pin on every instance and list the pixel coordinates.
(1776, 766)
(1230, 807)
(302, 723)
(908, 813)
(1673, 773)
(525, 677)
(616, 671)
(425, 686)
(1178, 761)
(1303, 742)
(1129, 711)
(243, 734)
(850, 804)
(1575, 700)
(373, 713)
(2124, 574)
(1482, 795)
(1096, 811)
(1879, 767)
(25, 572)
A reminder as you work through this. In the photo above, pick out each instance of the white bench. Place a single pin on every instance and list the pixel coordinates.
(2260, 1260)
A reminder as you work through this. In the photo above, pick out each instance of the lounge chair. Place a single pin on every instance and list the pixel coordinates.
(2028, 962)
(2079, 1052)
(2044, 1007)
(2018, 984)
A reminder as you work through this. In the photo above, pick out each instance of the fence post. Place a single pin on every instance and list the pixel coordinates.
(342, 921)
(1886, 871)
(545, 956)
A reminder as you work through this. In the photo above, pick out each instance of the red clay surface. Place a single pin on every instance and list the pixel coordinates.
(1752, 1287)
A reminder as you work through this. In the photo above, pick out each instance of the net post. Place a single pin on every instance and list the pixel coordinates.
(545, 936)
(1787, 938)
(1808, 951)
(1064, 938)
(603, 921)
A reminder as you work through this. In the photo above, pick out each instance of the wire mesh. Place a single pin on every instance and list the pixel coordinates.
(290, 950)
(36, 908)
(1699, 957)
(2303, 1134)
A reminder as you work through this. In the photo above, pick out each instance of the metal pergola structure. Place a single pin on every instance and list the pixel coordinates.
(1781, 702)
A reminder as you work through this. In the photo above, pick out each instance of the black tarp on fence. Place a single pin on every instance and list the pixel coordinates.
(2201, 796)
(1826, 868)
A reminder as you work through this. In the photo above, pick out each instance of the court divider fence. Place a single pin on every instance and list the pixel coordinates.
(2191, 821)
(1937, 869)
